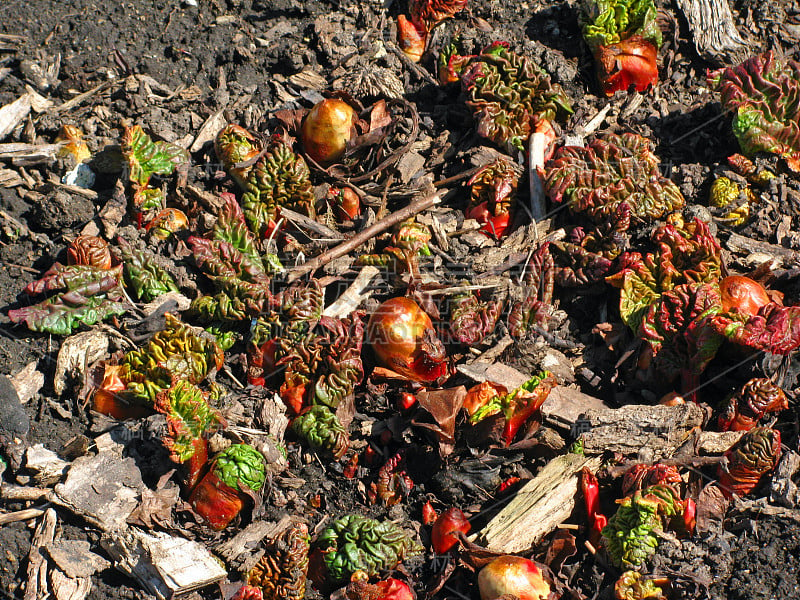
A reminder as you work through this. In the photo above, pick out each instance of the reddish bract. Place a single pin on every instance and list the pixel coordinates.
(495, 225)
(411, 38)
(444, 534)
(404, 340)
(346, 203)
(629, 62)
(216, 502)
(512, 575)
(428, 513)
(326, 130)
(742, 294)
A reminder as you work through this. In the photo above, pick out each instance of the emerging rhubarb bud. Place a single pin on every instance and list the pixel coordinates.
(633, 586)
(519, 405)
(591, 498)
(404, 340)
(167, 222)
(393, 483)
(746, 407)
(235, 147)
(624, 37)
(357, 543)
(282, 571)
(762, 93)
(641, 476)
(319, 427)
(327, 129)
(220, 496)
(359, 588)
(89, 251)
(345, 202)
(724, 192)
(429, 13)
(444, 534)
(509, 96)
(512, 576)
(146, 158)
(190, 421)
(493, 196)
(471, 320)
(749, 460)
(411, 38)
(742, 294)
(451, 64)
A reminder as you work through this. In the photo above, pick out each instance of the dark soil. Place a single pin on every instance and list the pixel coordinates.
(238, 55)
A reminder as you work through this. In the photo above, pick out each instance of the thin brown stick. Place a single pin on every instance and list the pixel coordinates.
(20, 515)
(370, 232)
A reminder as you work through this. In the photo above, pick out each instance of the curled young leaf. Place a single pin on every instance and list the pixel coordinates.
(613, 169)
(750, 459)
(510, 95)
(318, 426)
(748, 405)
(764, 96)
(85, 295)
(357, 543)
(174, 352)
(282, 572)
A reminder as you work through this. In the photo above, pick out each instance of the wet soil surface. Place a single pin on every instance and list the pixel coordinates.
(239, 56)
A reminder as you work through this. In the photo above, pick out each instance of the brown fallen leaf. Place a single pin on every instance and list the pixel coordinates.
(560, 549)
(711, 508)
(155, 509)
(444, 406)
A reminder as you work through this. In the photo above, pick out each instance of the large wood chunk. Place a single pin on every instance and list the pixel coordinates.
(539, 507)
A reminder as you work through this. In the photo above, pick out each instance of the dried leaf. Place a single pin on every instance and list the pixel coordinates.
(444, 406)
(711, 507)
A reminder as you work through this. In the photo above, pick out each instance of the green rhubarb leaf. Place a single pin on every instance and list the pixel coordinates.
(241, 465)
(607, 22)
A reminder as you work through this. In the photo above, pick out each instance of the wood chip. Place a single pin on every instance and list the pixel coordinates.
(103, 489)
(648, 432)
(28, 382)
(165, 565)
(539, 507)
(76, 354)
(208, 131)
(75, 558)
(354, 295)
(37, 566)
(12, 114)
(480, 371)
(46, 465)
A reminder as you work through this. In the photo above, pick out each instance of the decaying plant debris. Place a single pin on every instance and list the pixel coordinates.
(360, 300)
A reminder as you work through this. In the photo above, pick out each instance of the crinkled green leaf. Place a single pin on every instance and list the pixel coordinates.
(607, 22)
(86, 295)
(510, 95)
(764, 96)
(241, 465)
(357, 543)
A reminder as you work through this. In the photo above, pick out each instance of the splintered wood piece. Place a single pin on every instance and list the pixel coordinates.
(714, 31)
(165, 565)
(103, 489)
(539, 507)
(354, 295)
(37, 565)
(650, 432)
